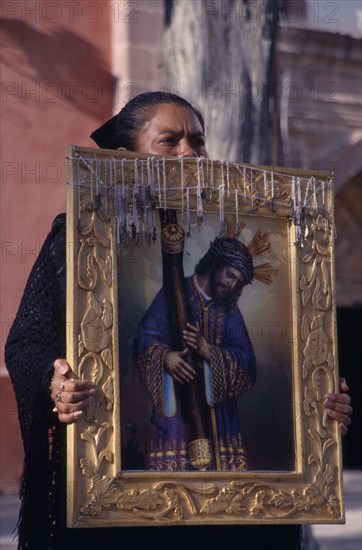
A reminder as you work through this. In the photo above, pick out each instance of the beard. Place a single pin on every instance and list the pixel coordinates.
(223, 296)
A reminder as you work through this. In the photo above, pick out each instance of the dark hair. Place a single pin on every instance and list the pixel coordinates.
(227, 252)
(122, 129)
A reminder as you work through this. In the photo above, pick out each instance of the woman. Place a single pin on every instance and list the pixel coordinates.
(48, 397)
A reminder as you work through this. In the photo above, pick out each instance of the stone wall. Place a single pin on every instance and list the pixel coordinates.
(65, 69)
(321, 129)
(57, 87)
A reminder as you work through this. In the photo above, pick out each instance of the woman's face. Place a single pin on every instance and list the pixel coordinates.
(173, 131)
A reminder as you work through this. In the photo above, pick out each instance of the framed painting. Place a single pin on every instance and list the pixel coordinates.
(200, 302)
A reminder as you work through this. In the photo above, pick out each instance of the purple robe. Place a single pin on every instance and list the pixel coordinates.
(231, 372)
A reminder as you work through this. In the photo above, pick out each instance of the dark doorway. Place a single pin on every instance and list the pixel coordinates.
(349, 323)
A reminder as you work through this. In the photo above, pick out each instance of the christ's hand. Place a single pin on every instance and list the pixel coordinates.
(177, 367)
(195, 340)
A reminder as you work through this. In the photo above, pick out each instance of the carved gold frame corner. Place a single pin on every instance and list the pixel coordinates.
(99, 493)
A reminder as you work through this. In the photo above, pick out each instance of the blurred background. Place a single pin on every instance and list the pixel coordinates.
(279, 83)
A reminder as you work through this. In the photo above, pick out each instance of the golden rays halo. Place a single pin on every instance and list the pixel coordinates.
(258, 245)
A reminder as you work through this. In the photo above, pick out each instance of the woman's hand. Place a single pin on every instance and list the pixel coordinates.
(71, 397)
(338, 406)
(195, 340)
(177, 367)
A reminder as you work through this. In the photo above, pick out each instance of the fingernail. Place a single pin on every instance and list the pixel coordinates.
(78, 414)
(63, 369)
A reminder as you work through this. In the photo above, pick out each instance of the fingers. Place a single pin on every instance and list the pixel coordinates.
(340, 401)
(69, 418)
(341, 414)
(192, 338)
(342, 428)
(192, 335)
(179, 369)
(193, 328)
(71, 397)
(76, 396)
(62, 368)
(67, 408)
(178, 377)
(197, 342)
(181, 377)
(62, 384)
(183, 372)
(191, 342)
(342, 419)
(70, 405)
(62, 371)
(343, 387)
(185, 368)
(338, 408)
(193, 332)
(186, 373)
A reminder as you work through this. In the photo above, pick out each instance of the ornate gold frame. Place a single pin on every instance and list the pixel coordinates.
(99, 493)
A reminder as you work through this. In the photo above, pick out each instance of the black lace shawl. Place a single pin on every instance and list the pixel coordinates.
(36, 339)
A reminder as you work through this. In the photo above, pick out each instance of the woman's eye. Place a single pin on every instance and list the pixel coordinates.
(168, 141)
(199, 142)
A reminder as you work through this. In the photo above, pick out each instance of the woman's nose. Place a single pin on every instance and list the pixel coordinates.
(186, 150)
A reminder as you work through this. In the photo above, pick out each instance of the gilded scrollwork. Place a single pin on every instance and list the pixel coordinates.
(94, 279)
(96, 364)
(95, 333)
(317, 334)
(87, 273)
(316, 285)
(168, 500)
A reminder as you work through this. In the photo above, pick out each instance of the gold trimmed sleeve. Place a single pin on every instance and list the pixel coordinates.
(150, 364)
(228, 378)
